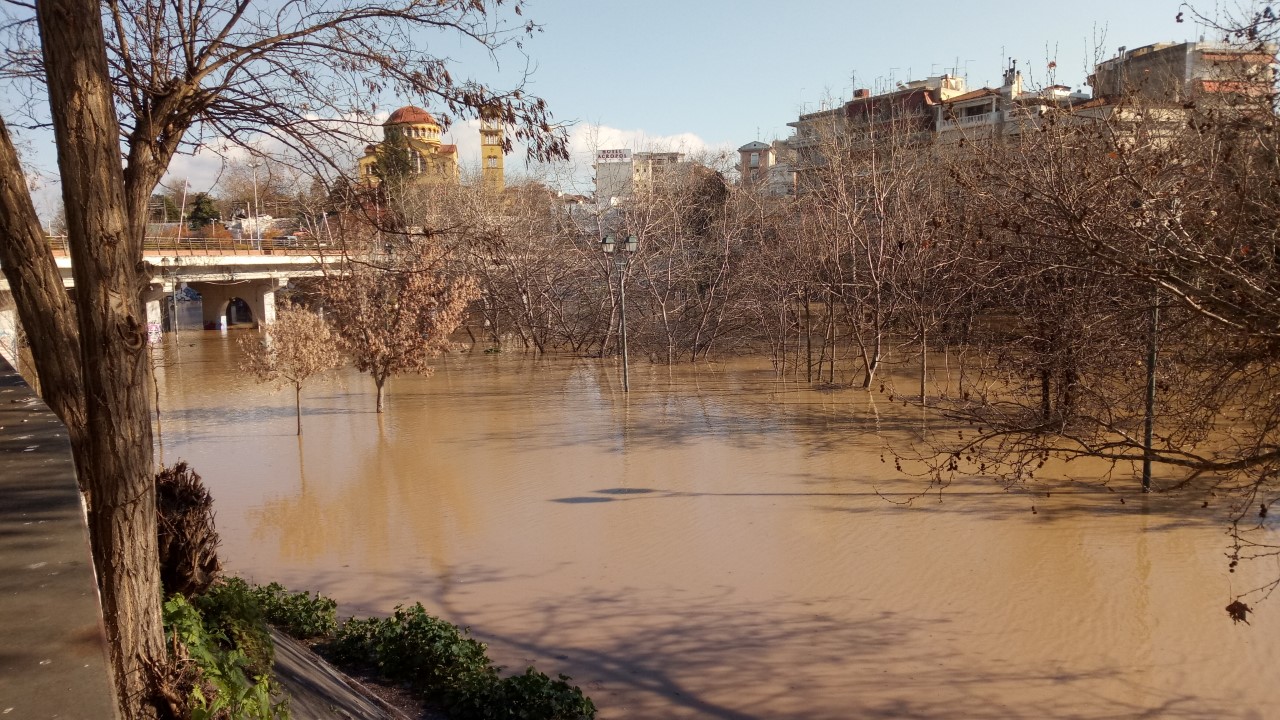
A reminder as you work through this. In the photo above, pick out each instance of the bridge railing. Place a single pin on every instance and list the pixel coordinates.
(217, 246)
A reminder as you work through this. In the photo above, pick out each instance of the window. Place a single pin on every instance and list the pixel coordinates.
(493, 162)
(755, 160)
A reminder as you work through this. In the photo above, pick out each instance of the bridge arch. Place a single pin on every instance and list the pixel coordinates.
(238, 312)
(227, 304)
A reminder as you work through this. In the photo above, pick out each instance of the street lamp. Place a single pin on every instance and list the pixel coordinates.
(257, 212)
(173, 294)
(627, 245)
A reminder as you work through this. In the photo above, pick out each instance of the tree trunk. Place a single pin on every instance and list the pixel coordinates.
(116, 459)
(808, 338)
(380, 382)
(924, 360)
(835, 344)
(44, 308)
(297, 405)
(1046, 408)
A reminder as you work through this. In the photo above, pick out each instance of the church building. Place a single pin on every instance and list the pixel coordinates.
(428, 159)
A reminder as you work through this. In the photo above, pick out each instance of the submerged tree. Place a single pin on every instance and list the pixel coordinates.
(1135, 312)
(395, 317)
(291, 351)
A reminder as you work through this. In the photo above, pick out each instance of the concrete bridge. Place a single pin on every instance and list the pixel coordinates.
(237, 279)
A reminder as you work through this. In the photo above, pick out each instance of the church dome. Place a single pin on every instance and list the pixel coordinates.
(411, 115)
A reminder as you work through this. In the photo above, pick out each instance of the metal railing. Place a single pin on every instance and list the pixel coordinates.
(217, 246)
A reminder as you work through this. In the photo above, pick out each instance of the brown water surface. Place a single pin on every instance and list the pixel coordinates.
(718, 544)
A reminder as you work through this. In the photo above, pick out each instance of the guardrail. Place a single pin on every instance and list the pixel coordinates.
(217, 246)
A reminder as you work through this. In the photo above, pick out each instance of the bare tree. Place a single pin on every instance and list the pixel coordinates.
(103, 400)
(394, 317)
(1133, 249)
(533, 262)
(297, 347)
(864, 241)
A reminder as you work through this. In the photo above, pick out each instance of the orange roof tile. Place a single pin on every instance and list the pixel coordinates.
(410, 114)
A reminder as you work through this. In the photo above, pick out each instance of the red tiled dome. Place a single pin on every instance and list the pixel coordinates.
(411, 115)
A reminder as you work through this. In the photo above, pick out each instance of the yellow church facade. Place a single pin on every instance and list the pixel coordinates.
(429, 158)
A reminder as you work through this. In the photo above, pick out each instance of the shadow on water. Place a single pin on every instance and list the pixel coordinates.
(666, 658)
(1045, 503)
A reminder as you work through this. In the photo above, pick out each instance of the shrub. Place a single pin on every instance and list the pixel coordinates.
(531, 696)
(299, 614)
(225, 690)
(440, 660)
(231, 609)
(412, 647)
(188, 542)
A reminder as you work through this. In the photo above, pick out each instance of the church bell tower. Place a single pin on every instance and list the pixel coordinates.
(491, 155)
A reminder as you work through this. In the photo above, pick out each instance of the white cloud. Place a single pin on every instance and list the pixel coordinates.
(203, 169)
(575, 175)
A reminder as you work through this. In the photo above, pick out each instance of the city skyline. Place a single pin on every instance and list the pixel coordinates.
(709, 77)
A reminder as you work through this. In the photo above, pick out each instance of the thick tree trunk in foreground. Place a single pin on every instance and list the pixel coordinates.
(43, 304)
(116, 458)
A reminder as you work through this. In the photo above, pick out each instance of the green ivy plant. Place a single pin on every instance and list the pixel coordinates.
(227, 689)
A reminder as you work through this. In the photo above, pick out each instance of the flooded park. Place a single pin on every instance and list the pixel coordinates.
(719, 543)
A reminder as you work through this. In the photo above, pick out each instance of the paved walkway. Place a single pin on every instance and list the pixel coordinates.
(53, 655)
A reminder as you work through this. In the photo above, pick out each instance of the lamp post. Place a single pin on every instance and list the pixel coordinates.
(257, 212)
(620, 251)
(171, 272)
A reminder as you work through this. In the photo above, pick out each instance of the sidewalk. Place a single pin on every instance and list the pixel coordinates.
(53, 656)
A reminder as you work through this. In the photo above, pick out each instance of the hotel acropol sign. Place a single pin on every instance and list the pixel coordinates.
(606, 156)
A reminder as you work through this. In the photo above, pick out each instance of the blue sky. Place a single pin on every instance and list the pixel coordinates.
(715, 74)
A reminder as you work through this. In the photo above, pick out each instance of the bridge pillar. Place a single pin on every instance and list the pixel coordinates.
(154, 299)
(213, 304)
(262, 299)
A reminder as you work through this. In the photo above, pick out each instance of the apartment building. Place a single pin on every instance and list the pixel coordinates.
(621, 174)
(1185, 73)
(769, 167)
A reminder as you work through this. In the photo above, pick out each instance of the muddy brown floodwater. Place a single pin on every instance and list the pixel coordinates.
(718, 544)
